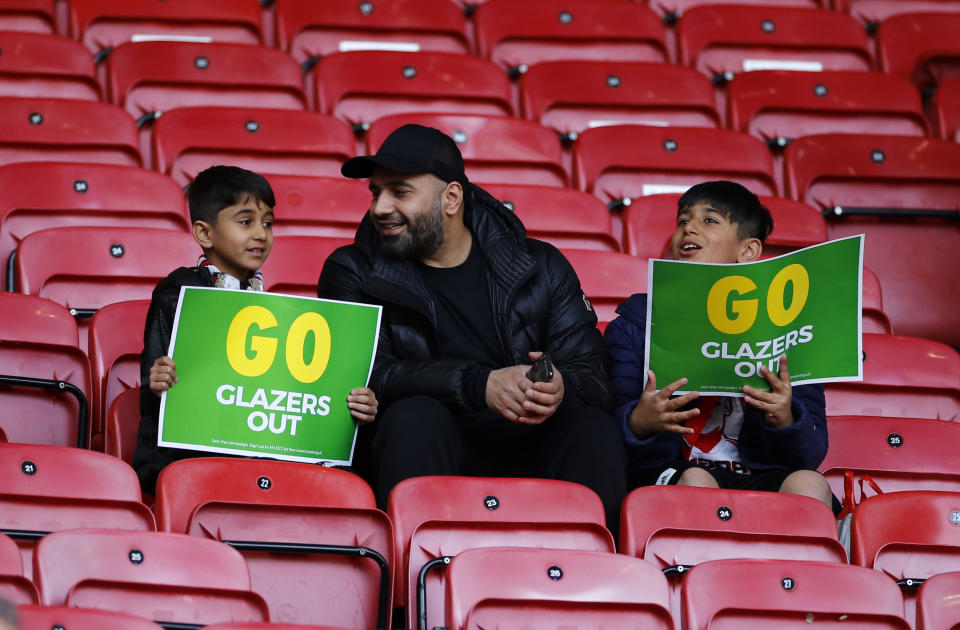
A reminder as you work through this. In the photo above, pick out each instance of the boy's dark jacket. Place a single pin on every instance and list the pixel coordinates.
(802, 445)
(533, 290)
(148, 458)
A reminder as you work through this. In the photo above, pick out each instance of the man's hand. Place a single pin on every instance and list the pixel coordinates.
(163, 375)
(542, 399)
(777, 404)
(362, 403)
(657, 412)
(505, 391)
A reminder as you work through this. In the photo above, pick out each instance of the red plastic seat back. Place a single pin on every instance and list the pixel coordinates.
(116, 341)
(81, 619)
(318, 206)
(295, 262)
(947, 109)
(934, 602)
(189, 139)
(753, 594)
(496, 149)
(519, 35)
(40, 65)
(14, 586)
(874, 319)
(607, 279)
(872, 12)
(121, 424)
(550, 588)
(920, 47)
(38, 16)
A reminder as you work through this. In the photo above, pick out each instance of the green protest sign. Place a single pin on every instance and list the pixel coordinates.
(267, 375)
(716, 324)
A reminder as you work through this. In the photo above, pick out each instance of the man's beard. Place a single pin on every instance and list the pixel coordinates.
(422, 238)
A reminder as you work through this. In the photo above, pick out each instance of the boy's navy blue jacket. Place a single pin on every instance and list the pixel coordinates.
(802, 445)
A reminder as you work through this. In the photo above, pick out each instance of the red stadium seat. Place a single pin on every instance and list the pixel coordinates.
(15, 587)
(572, 96)
(310, 30)
(80, 619)
(38, 16)
(318, 206)
(909, 536)
(105, 24)
(116, 341)
(607, 279)
(54, 488)
(723, 40)
(362, 86)
(164, 577)
(438, 517)
(266, 626)
(563, 217)
(121, 424)
(935, 602)
(517, 35)
(43, 195)
(495, 148)
(295, 262)
(37, 65)
(39, 340)
(675, 528)
(670, 10)
(946, 116)
(903, 194)
(920, 47)
(66, 130)
(552, 588)
(896, 454)
(272, 504)
(631, 161)
(874, 319)
(902, 377)
(873, 12)
(754, 594)
(190, 139)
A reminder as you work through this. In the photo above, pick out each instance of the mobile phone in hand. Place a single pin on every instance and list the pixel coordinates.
(542, 369)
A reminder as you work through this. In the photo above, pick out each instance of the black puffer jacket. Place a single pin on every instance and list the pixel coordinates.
(535, 292)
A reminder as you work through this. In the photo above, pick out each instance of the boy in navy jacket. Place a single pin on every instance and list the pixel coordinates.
(765, 441)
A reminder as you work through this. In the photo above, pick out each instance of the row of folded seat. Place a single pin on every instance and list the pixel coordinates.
(310, 547)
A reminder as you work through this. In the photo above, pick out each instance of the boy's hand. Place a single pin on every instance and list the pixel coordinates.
(657, 412)
(363, 404)
(506, 389)
(776, 404)
(163, 375)
(543, 398)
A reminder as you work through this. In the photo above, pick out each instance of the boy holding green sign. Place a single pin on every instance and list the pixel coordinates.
(232, 210)
(763, 441)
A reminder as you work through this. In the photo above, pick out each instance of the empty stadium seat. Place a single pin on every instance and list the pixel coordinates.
(104, 24)
(121, 424)
(902, 377)
(670, 10)
(753, 594)
(295, 262)
(946, 116)
(39, 342)
(874, 319)
(438, 517)
(116, 341)
(676, 528)
(189, 139)
(86, 268)
(494, 148)
(43, 195)
(518, 35)
(872, 12)
(308, 512)
(896, 454)
(54, 488)
(71, 130)
(902, 193)
(909, 536)
(362, 86)
(15, 587)
(607, 279)
(935, 602)
(43, 617)
(563, 217)
(572, 96)
(37, 16)
(318, 206)
(164, 577)
(40, 65)
(723, 40)
(920, 47)
(252, 625)
(630, 161)
(550, 588)
(310, 30)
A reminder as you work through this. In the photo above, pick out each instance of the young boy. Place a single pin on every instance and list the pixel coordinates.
(232, 214)
(765, 441)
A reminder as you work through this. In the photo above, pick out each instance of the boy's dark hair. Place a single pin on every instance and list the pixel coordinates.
(735, 202)
(221, 186)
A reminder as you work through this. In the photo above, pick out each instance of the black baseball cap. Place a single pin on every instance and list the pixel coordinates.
(412, 150)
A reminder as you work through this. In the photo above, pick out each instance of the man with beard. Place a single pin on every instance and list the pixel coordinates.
(469, 303)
